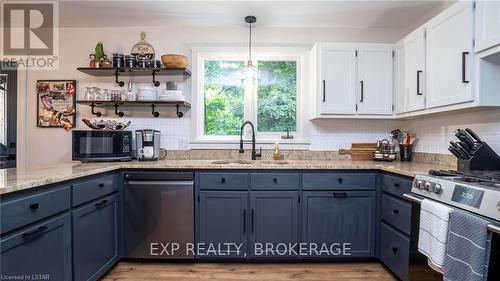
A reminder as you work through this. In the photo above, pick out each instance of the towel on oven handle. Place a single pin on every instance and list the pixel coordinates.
(433, 232)
(467, 252)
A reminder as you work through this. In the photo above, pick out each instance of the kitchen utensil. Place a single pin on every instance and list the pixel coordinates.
(173, 61)
(406, 152)
(360, 151)
(473, 135)
(468, 141)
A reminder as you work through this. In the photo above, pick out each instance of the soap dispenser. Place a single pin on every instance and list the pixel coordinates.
(276, 151)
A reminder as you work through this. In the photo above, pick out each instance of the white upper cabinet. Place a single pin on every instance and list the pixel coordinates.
(338, 78)
(487, 24)
(375, 80)
(410, 65)
(449, 39)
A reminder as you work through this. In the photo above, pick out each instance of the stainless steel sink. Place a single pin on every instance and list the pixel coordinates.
(250, 162)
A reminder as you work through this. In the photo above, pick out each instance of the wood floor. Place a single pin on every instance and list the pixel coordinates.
(128, 271)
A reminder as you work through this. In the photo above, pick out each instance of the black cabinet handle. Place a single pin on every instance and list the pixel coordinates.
(275, 180)
(362, 91)
(34, 206)
(35, 232)
(395, 249)
(464, 54)
(324, 90)
(396, 184)
(223, 180)
(103, 202)
(244, 220)
(339, 194)
(395, 211)
(101, 185)
(418, 83)
(340, 180)
(252, 221)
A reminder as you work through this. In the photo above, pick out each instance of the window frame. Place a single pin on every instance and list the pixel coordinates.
(201, 54)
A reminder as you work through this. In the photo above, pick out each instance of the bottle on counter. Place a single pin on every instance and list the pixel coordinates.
(276, 151)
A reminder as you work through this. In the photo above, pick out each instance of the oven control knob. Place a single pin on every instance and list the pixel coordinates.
(436, 188)
(418, 184)
(428, 186)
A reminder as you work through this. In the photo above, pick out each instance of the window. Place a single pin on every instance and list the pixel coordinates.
(227, 99)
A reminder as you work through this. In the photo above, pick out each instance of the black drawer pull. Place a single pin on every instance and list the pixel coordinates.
(103, 202)
(244, 220)
(275, 180)
(252, 221)
(35, 232)
(34, 206)
(395, 249)
(340, 180)
(339, 194)
(101, 185)
(396, 184)
(395, 211)
(223, 180)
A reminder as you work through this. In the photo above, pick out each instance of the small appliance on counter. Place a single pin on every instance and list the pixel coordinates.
(147, 144)
(101, 145)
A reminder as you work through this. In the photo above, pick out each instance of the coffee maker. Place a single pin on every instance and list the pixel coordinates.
(147, 143)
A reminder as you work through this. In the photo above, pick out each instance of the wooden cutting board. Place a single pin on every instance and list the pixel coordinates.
(360, 151)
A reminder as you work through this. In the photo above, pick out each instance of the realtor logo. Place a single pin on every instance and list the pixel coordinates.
(29, 34)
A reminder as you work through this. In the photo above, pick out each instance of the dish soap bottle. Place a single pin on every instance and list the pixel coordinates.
(276, 151)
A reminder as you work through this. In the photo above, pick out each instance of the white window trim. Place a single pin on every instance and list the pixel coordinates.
(199, 54)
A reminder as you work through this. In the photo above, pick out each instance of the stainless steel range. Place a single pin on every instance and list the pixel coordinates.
(475, 191)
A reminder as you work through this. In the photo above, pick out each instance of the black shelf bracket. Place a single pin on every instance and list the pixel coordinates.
(154, 112)
(120, 83)
(119, 113)
(179, 113)
(156, 83)
(96, 113)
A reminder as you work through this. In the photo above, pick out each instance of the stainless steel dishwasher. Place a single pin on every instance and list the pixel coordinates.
(159, 215)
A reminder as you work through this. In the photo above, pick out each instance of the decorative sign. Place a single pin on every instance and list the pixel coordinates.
(56, 103)
(143, 48)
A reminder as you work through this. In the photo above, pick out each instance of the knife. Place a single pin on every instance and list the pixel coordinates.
(474, 135)
(464, 150)
(459, 150)
(454, 152)
(465, 139)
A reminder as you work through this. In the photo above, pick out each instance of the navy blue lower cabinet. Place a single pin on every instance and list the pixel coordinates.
(95, 242)
(39, 252)
(223, 224)
(341, 221)
(395, 251)
(274, 224)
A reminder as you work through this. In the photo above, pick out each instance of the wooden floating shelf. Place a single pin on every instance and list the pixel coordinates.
(152, 104)
(124, 71)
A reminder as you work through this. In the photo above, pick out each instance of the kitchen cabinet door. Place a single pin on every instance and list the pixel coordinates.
(338, 79)
(487, 24)
(95, 240)
(411, 68)
(449, 56)
(223, 218)
(343, 220)
(375, 80)
(42, 251)
(274, 219)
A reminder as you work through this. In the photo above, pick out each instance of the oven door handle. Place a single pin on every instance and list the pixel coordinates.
(417, 199)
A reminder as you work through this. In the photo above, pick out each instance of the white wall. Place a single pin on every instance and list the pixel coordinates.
(42, 146)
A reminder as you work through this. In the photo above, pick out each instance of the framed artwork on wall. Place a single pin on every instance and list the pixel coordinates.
(56, 103)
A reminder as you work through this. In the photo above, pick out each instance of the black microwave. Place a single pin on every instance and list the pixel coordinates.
(97, 146)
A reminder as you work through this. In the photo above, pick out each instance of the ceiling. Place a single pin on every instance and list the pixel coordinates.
(306, 14)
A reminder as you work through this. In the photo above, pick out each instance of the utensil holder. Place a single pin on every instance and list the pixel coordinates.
(406, 152)
(483, 158)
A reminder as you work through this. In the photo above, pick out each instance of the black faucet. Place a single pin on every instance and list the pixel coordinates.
(254, 153)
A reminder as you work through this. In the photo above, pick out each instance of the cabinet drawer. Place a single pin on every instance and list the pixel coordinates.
(396, 185)
(395, 251)
(20, 212)
(396, 213)
(273, 181)
(91, 189)
(332, 181)
(43, 249)
(224, 181)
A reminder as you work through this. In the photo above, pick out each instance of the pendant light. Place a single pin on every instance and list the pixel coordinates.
(250, 70)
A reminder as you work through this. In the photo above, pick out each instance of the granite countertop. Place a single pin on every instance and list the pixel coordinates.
(21, 179)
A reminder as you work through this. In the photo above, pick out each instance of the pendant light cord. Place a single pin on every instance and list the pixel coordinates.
(250, 44)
